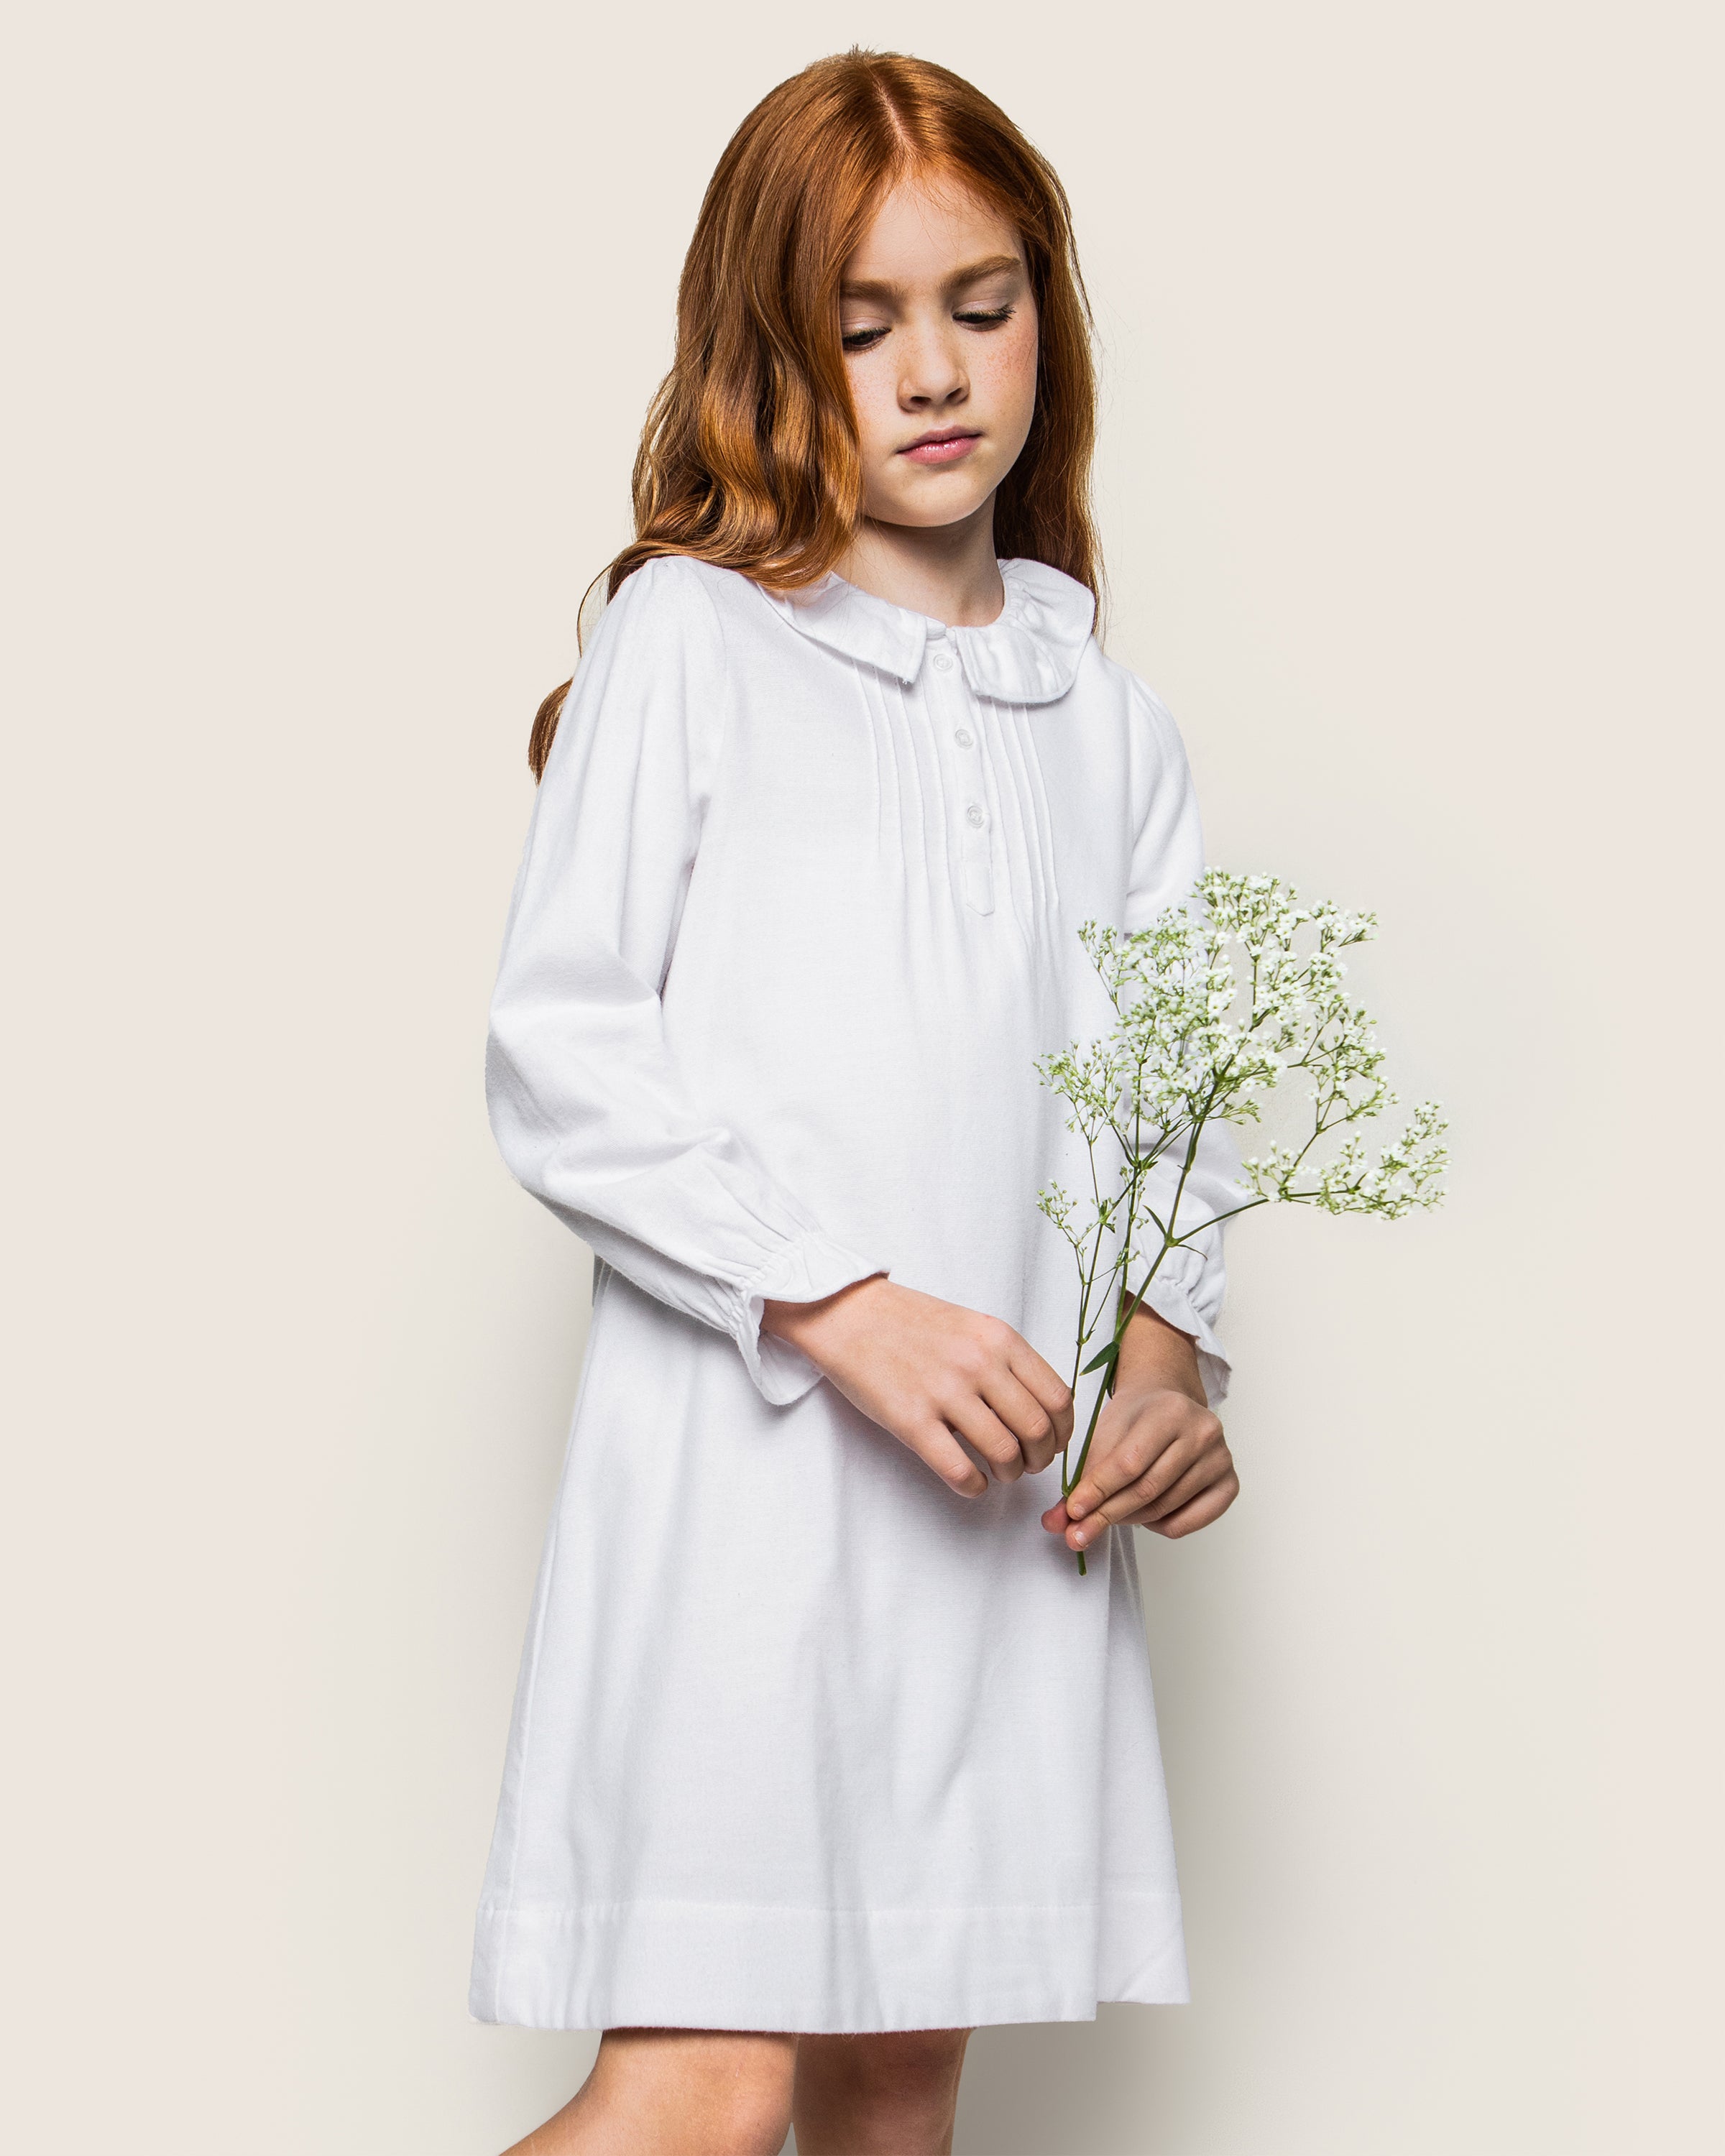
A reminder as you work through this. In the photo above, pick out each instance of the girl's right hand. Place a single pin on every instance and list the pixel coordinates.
(924, 1369)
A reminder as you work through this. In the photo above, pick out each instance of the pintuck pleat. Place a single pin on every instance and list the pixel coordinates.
(1033, 821)
(925, 829)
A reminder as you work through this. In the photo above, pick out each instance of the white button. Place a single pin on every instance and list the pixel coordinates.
(943, 665)
(1033, 616)
(965, 738)
(974, 816)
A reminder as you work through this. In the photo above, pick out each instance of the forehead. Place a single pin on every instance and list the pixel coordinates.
(925, 227)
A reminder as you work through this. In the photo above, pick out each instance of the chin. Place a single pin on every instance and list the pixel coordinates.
(929, 520)
(929, 511)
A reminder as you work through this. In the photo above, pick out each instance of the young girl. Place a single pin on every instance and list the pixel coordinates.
(824, 1752)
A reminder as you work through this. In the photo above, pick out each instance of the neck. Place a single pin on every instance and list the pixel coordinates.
(946, 571)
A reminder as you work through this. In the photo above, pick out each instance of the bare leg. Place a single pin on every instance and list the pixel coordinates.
(890, 2095)
(676, 2092)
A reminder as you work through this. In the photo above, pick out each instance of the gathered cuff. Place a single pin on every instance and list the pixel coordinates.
(807, 1269)
(1171, 1294)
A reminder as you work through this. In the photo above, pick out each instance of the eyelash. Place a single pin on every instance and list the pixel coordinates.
(981, 318)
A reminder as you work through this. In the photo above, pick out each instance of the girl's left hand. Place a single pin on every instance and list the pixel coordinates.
(1158, 1461)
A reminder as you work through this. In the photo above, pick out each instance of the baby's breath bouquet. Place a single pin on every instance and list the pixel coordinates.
(1216, 1003)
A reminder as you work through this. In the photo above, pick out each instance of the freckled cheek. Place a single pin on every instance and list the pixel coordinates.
(1005, 377)
(879, 421)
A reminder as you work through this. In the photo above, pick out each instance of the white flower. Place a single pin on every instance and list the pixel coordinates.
(1216, 1003)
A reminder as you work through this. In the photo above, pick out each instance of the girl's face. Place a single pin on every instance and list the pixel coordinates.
(939, 328)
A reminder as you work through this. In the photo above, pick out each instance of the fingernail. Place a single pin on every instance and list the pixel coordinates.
(1075, 1506)
(1080, 1536)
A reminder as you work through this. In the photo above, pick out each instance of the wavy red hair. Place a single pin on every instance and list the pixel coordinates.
(749, 456)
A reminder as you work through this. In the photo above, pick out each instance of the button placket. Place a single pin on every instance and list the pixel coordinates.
(975, 852)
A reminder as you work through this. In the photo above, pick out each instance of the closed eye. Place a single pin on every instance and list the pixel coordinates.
(974, 318)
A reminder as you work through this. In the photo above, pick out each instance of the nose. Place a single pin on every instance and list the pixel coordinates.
(932, 374)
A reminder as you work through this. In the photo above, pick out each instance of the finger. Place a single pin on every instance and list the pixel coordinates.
(1115, 1464)
(1189, 1465)
(935, 1446)
(978, 1423)
(1202, 1510)
(1197, 1479)
(1163, 1442)
(1185, 1461)
(1025, 1416)
(1045, 1385)
(1200, 1476)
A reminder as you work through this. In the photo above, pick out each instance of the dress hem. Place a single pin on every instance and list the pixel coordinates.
(824, 1971)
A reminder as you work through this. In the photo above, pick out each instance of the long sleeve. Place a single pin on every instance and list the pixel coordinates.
(1168, 858)
(588, 1104)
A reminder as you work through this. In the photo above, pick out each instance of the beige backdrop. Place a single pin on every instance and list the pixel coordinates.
(333, 327)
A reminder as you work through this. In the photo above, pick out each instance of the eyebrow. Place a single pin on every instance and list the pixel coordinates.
(878, 288)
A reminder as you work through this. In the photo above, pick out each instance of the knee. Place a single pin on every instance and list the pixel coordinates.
(700, 2092)
(746, 2088)
(919, 2051)
(919, 2054)
(903, 2063)
(753, 2116)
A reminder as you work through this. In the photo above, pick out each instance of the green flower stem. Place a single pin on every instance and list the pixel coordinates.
(1102, 1393)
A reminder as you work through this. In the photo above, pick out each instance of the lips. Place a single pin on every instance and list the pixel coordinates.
(946, 447)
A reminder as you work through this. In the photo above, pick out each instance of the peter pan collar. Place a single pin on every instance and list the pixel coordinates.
(1028, 655)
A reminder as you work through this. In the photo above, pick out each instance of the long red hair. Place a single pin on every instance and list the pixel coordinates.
(749, 456)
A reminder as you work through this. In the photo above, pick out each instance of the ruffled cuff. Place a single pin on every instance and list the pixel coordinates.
(1172, 1295)
(806, 1270)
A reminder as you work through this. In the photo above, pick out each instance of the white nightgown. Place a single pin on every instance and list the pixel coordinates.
(803, 1739)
